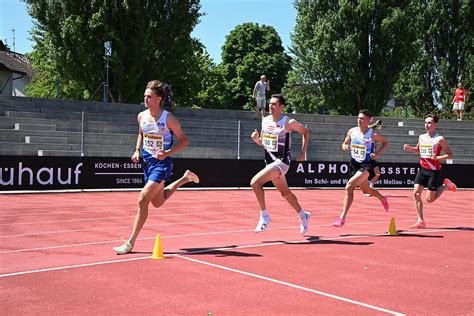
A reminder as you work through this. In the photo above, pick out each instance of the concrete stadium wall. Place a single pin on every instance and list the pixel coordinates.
(43, 127)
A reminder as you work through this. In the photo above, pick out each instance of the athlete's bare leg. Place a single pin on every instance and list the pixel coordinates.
(187, 177)
(263, 176)
(282, 186)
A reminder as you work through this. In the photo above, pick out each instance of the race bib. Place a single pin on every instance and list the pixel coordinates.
(358, 152)
(152, 143)
(270, 142)
(426, 151)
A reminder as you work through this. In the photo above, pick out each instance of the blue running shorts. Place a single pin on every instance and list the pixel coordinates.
(157, 171)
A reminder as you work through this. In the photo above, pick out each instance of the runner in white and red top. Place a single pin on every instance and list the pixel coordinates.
(430, 147)
(460, 97)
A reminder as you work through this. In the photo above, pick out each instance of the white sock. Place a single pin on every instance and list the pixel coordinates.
(302, 214)
(264, 213)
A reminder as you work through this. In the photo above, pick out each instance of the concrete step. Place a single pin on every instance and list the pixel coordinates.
(59, 153)
(45, 140)
(34, 127)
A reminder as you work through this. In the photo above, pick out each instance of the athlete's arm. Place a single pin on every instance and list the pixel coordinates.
(347, 141)
(382, 140)
(136, 153)
(294, 125)
(448, 152)
(415, 150)
(256, 137)
(174, 126)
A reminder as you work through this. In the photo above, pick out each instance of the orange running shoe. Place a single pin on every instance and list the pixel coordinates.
(450, 185)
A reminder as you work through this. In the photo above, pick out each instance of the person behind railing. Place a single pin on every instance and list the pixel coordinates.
(459, 99)
(259, 94)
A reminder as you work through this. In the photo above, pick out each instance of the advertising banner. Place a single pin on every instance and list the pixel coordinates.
(66, 173)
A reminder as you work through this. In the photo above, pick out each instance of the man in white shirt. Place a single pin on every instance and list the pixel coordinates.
(259, 93)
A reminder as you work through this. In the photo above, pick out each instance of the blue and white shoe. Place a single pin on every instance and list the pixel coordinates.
(304, 222)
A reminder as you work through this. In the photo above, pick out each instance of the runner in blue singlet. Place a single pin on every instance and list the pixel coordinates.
(361, 141)
(156, 130)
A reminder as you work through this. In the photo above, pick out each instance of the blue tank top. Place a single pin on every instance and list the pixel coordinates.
(362, 145)
(156, 135)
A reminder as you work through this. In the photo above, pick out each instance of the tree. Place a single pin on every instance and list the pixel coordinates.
(212, 88)
(249, 51)
(350, 51)
(150, 40)
(445, 55)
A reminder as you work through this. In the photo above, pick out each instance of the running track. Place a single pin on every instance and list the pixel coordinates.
(56, 256)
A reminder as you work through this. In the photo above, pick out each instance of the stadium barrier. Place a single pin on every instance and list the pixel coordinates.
(29, 173)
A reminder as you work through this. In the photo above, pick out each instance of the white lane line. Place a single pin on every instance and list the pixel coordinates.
(128, 226)
(299, 287)
(202, 250)
(132, 214)
(209, 233)
(111, 208)
(71, 267)
(143, 238)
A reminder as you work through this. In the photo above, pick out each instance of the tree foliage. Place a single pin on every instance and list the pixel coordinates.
(212, 88)
(150, 40)
(445, 55)
(249, 51)
(347, 54)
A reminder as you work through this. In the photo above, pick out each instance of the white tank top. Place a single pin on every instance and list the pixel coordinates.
(276, 139)
(156, 134)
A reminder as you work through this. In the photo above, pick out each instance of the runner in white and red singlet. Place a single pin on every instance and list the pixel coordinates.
(429, 147)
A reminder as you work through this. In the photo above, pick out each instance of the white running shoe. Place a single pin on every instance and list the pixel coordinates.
(262, 223)
(124, 249)
(304, 222)
(192, 177)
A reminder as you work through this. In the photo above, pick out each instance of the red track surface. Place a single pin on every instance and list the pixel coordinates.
(56, 256)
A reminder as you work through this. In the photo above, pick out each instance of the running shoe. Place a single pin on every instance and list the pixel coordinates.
(339, 222)
(418, 224)
(192, 177)
(124, 249)
(304, 222)
(385, 203)
(262, 223)
(450, 185)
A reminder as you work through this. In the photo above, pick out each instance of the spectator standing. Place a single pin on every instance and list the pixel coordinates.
(259, 93)
(460, 97)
